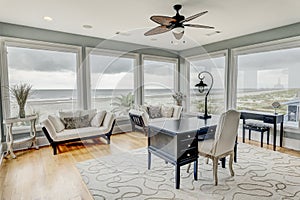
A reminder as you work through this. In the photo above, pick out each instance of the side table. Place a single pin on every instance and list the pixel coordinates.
(9, 138)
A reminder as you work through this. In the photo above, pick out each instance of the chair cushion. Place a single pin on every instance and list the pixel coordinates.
(57, 123)
(167, 111)
(154, 112)
(98, 119)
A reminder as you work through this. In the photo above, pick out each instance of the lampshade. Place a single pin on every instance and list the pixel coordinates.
(201, 85)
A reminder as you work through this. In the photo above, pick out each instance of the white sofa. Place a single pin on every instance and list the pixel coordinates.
(140, 116)
(94, 124)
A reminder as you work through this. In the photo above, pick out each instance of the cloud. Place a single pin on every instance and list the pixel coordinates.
(40, 60)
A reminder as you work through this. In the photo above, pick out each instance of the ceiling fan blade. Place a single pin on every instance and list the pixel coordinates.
(193, 17)
(199, 26)
(157, 30)
(162, 20)
(178, 36)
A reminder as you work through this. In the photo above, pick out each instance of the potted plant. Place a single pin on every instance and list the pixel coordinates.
(21, 92)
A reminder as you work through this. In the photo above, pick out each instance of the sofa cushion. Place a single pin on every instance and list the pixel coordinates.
(108, 120)
(154, 112)
(57, 123)
(98, 119)
(91, 113)
(167, 111)
(68, 134)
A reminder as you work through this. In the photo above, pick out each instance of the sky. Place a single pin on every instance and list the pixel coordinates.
(45, 69)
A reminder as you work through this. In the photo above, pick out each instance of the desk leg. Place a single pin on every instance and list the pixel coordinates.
(177, 176)
(244, 121)
(149, 160)
(281, 133)
(196, 170)
(274, 135)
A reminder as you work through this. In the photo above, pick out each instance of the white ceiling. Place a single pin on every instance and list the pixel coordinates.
(131, 17)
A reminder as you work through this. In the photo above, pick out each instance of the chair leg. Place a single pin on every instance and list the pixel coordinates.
(188, 168)
(249, 134)
(262, 139)
(215, 170)
(230, 163)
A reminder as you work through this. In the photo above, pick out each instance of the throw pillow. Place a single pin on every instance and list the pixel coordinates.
(83, 121)
(98, 119)
(167, 111)
(76, 122)
(70, 122)
(154, 112)
(91, 113)
(57, 123)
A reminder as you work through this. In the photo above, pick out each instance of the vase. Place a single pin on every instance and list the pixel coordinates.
(21, 111)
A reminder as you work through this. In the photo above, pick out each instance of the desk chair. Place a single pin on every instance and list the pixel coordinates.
(224, 142)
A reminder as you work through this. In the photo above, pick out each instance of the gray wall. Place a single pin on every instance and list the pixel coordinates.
(292, 30)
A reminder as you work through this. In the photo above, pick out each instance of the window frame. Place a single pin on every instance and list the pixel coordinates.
(287, 43)
(158, 59)
(203, 56)
(39, 45)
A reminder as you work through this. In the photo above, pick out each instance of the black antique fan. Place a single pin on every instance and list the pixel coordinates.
(176, 23)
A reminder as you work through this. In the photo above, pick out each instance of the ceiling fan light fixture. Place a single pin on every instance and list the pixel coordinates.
(178, 30)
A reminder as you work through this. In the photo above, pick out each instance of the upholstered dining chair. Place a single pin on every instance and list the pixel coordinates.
(223, 143)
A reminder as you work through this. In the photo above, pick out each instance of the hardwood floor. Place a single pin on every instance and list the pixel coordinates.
(37, 174)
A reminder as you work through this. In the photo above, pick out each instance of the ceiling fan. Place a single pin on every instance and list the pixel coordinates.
(175, 23)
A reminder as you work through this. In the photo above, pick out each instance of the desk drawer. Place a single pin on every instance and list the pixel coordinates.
(189, 153)
(187, 136)
(188, 143)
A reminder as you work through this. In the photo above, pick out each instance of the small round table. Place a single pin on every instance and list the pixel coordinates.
(9, 138)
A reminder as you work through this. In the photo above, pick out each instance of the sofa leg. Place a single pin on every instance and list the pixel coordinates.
(54, 147)
(108, 138)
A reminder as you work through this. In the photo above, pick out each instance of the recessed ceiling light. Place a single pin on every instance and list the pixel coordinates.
(174, 42)
(122, 33)
(87, 26)
(213, 33)
(47, 18)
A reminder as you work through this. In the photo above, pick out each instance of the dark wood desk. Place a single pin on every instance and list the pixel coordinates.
(269, 118)
(176, 141)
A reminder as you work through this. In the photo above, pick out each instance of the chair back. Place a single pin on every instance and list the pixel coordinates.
(226, 132)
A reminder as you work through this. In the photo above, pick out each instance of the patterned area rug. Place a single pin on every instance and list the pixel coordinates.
(259, 174)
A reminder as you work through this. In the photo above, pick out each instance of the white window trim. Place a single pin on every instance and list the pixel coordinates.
(106, 52)
(287, 43)
(159, 59)
(203, 56)
(16, 42)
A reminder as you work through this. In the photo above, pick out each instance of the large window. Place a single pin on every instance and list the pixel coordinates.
(52, 72)
(215, 64)
(112, 80)
(159, 80)
(266, 76)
